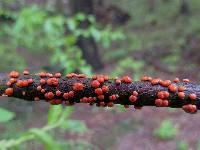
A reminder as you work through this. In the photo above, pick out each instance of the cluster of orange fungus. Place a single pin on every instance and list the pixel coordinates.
(155, 81)
(126, 79)
(181, 95)
(162, 99)
(26, 72)
(68, 95)
(95, 84)
(146, 78)
(161, 102)
(189, 108)
(49, 95)
(102, 90)
(9, 91)
(192, 96)
(133, 96)
(78, 87)
(52, 81)
(113, 97)
(14, 74)
(172, 87)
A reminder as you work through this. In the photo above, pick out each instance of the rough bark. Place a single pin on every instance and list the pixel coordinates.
(121, 88)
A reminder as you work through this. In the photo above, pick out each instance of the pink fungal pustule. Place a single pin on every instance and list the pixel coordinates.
(50, 75)
(186, 80)
(71, 75)
(49, 95)
(71, 94)
(146, 78)
(113, 97)
(132, 98)
(78, 87)
(118, 81)
(8, 83)
(126, 79)
(42, 81)
(193, 96)
(9, 91)
(26, 72)
(66, 95)
(100, 79)
(39, 88)
(95, 84)
(165, 83)
(102, 104)
(105, 89)
(98, 91)
(58, 93)
(163, 94)
(172, 88)
(58, 75)
(181, 88)
(161, 102)
(12, 80)
(36, 98)
(190, 108)
(55, 101)
(155, 81)
(14, 74)
(43, 91)
(30, 81)
(181, 95)
(52, 81)
(158, 102)
(42, 74)
(176, 80)
(101, 97)
(110, 104)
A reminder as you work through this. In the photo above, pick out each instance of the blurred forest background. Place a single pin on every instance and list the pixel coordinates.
(114, 37)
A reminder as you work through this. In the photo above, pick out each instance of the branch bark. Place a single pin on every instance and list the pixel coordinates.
(101, 90)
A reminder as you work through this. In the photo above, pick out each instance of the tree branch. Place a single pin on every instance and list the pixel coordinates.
(101, 90)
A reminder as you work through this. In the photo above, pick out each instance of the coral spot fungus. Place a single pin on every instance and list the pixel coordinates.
(78, 87)
(9, 91)
(192, 96)
(126, 79)
(98, 91)
(181, 95)
(95, 84)
(14, 74)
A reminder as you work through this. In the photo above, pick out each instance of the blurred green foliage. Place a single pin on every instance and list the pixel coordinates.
(58, 119)
(5, 115)
(182, 145)
(37, 30)
(166, 131)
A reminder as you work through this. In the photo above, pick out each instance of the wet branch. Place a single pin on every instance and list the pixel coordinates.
(101, 90)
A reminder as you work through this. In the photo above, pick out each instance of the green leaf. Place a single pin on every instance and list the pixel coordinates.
(6, 115)
(74, 126)
(47, 140)
(54, 114)
(167, 130)
(182, 145)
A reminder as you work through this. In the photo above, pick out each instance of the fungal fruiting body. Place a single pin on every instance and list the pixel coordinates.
(101, 90)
